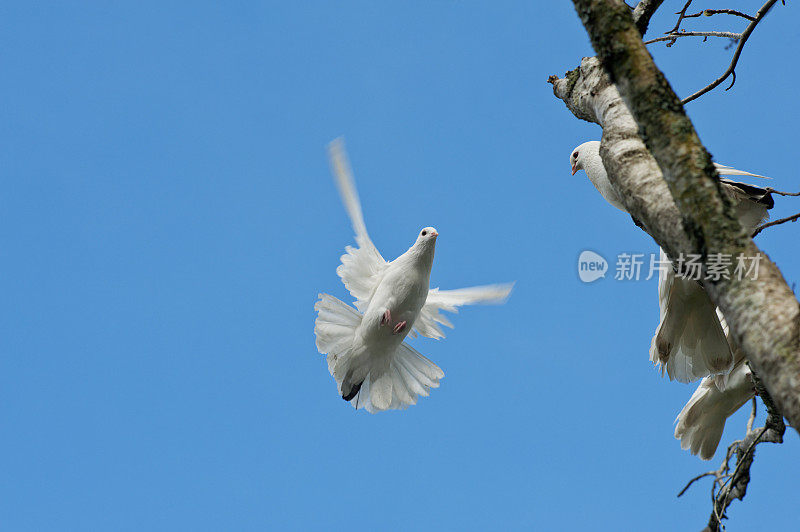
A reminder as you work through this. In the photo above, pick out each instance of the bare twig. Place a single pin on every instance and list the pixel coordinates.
(752, 415)
(698, 477)
(761, 227)
(730, 70)
(709, 12)
(779, 193)
(673, 36)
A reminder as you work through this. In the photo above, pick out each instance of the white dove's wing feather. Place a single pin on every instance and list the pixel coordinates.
(727, 170)
(689, 342)
(427, 323)
(362, 267)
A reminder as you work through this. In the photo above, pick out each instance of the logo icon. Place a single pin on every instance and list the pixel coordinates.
(591, 266)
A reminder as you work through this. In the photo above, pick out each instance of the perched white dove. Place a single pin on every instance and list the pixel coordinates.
(691, 340)
(373, 368)
(689, 343)
(700, 424)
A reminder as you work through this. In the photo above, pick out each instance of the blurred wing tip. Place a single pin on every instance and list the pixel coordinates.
(336, 144)
(503, 291)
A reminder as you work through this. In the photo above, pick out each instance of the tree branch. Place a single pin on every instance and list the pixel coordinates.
(695, 479)
(732, 67)
(771, 190)
(681, 15)
(678, 198)
(793, 218)
(709, 12)
(644, 12)
(674, 36)
(761, 227)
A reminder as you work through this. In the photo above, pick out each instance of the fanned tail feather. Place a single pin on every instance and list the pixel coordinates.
(334, 328)
(397, 382)
(702, 421)
(373, 383)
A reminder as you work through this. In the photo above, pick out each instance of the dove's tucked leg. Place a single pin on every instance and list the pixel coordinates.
(400, 327)
(386, 319)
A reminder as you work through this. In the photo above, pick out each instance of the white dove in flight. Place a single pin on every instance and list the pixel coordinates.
(372, 366)
(689, 343)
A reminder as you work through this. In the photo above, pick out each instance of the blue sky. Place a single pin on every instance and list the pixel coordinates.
(169, 218)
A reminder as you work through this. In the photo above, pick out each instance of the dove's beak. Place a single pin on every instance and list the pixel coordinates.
(574, 169)
(434, 233)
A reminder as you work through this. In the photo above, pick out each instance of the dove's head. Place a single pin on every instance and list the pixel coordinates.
(426, 240)
(588, 151)
(422, 251)
(427, 236)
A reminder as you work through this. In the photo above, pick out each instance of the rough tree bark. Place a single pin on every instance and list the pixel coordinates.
(643, 12)
(667, 181)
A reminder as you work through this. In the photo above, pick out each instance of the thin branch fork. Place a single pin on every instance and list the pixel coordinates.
(732, 67)
(681, 15)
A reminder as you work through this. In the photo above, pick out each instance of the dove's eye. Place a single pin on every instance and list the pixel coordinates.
(424, 233)
(575, 155)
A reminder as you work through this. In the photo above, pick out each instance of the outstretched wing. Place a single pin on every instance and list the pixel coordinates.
(429, 319)
(363, 267)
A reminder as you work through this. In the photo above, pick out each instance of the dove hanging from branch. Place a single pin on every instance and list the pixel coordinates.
(689, 343)
(373, 367)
